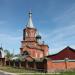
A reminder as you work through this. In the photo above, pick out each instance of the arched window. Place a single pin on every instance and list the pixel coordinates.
(26, 34)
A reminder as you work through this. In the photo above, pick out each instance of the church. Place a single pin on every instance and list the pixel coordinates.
(35, 52)
(32, 44)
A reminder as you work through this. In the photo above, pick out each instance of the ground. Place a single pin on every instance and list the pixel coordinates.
(5, 70)
(1, 73)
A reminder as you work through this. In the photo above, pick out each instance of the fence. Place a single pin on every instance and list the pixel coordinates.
(45, 66)
(61, 65)
(36, 66)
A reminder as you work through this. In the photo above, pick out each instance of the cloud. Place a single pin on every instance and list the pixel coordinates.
(6, 36)
(10, 42)
(65, 15)
(64, 33)
(60, 38)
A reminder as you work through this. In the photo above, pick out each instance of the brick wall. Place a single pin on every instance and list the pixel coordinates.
(60, 65)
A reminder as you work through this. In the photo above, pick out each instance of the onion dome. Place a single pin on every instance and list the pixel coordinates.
(38, 37)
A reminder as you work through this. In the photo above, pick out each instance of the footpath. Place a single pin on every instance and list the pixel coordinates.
(6, 73)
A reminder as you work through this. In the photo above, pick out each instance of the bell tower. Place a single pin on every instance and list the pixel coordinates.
(29, 36)
(29, 32)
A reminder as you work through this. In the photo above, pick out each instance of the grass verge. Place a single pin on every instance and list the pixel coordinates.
(23, 71)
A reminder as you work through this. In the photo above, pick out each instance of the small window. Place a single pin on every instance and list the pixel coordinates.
(26, 34)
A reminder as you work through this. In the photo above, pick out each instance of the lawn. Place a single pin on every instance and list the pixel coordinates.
(23, 71)
(16, 70)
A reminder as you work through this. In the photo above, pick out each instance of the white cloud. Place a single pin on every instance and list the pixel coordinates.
(10, 42)
(67, 14)
(60, 38)
(65, 31)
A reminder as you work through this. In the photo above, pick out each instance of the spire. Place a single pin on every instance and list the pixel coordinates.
(30, 23)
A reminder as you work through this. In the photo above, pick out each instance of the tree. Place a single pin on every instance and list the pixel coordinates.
(8, 55)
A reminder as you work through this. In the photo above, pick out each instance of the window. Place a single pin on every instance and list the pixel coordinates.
(26, 34)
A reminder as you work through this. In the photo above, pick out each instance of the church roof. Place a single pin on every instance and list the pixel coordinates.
(67, 52)
(30, 23)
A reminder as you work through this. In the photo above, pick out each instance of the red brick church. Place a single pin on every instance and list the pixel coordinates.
(36, 55)
(32, 43)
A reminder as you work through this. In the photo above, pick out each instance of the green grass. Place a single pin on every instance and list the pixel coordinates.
(15, 70)
(68, 73)
(23, 71)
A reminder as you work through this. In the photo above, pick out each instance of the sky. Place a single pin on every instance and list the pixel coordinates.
(54, 19)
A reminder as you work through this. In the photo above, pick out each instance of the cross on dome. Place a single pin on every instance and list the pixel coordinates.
(30, 23)
(30, 13)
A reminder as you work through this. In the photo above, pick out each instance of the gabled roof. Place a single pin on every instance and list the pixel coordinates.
(67, 52)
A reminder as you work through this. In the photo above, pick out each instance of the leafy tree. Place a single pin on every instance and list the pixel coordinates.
(8, 55)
